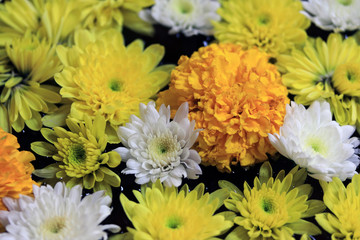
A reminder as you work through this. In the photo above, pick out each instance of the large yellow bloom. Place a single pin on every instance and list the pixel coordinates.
(79, 155)
(235, 96)
(344, 203)
(117, 13)
(274, 26)
(166, 214)
(28, 64)
(273, 208)
(16, 169)
(327, 70)
(102, 76)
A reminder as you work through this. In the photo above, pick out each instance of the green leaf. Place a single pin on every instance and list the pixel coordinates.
(237, 234)
(200, 188)
(228, 215)
(48, 171)
(314, 207)
(57, 118)
(49, 134)
(110, 177)
(4, 119)
(43, 148)
(228, 185)
(220, 194)
(302, 227)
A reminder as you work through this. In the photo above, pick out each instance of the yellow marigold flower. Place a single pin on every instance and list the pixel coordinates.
(163, 213)
(16, 169)
(236, 96)
(79, 155)
(102, 76)
(327, 70)
(115, 13)
(273, 208)
(274, 26)
(344, 221)
(28, 64)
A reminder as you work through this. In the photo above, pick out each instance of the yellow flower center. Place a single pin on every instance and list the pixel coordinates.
(346, 79)
(345, 2)
(164, 150)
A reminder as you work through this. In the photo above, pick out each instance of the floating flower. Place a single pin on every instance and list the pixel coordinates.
(337, 15)
(329, 71)
(274, 26)
(29, 63)
(343, 222)
(164, 213)
(236, 96)
(273, 208)
(157, 148)
(191, 17)
(57, 213)
(102, 76)
(79, 155)
(312, 140)
(16, 169)
(114, 13)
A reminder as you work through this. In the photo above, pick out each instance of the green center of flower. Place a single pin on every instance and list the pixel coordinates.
(345, 2)
(317, 146)
(164, 149)
(77, 154)
(183, 6)
(54, 225)
(115, 85)
(346, 79)
(174, 222)
(267, 205)
(263, 19)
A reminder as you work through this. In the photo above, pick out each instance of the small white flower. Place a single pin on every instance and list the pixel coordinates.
(191, 17)
(56, 213)
(157, 148)
(313, 141)
(337, 15)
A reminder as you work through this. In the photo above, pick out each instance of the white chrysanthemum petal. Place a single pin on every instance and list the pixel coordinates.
(190, 17)
(57, 213)
(160, 148)
(312, 140)
(337, 15)
(124, 153)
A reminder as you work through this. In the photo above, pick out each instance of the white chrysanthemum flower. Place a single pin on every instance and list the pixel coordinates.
(313, 141)
(337, 15)
(191, 17)
(157, 148)
(56, 213)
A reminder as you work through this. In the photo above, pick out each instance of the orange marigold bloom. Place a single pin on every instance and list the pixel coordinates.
(236, 96)
(16, 169)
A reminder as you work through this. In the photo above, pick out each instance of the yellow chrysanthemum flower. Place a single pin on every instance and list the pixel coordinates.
(118, 13)
(79, 155)
(344, 203)
(28, 64)
(274, 26)
(16, 169)
(273, 208)
(102, 76)
(163, 213)
(54, 20)
(235, 96)
(327, 70)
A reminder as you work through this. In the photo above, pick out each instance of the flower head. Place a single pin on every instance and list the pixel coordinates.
(336, 15)
(164, 213)
(102, 76)
(16, 169)
(343, 222)
(29, 63)
(157, 148)
(327, 70)
(274, 26)
(312, 140)
(57, 213)
(79, 155)
(273, 208)
(190, 17)
(236, 96)
(114, 13)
